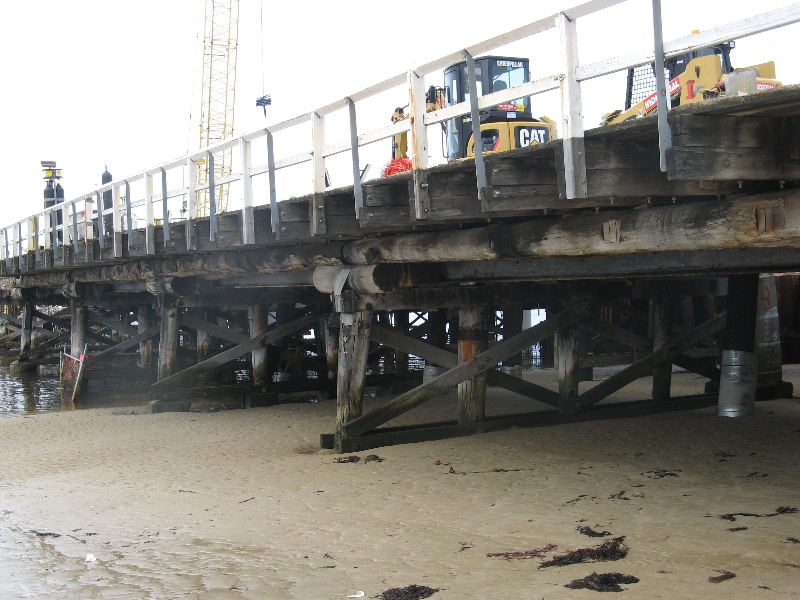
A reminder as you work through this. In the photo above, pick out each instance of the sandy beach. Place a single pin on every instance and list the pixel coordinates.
(244, 504)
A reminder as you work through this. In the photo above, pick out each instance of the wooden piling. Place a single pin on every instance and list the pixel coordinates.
(566, 351)
(473, 338)
(352, 370)
(168, 341)
(330, 339)
(79, 320)
(146, 318)
(662, 315)
(257, 316)
(27, 329)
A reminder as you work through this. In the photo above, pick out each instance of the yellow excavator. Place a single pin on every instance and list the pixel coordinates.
(503, 127)
(698, 75)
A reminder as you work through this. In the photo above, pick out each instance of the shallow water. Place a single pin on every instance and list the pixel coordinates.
(28, 393)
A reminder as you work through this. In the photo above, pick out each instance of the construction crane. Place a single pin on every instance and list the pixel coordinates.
(218, 93)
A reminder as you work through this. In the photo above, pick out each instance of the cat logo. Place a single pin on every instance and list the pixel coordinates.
(527, 136)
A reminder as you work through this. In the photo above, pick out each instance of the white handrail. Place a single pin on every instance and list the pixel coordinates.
(37, 230)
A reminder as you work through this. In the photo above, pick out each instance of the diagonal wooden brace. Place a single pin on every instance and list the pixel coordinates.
(224, 333)
(482, 362)
(270, 337)
(645, 366)
(389, 337)
(129, 343)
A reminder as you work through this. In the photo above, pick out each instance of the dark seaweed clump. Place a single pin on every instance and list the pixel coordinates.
(523, 554)
(411, 592)
(613, 549)
(781, 510)
(584, 530)
(603, 582)
(724, 576)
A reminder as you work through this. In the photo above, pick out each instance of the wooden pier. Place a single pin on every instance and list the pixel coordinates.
(643, 267)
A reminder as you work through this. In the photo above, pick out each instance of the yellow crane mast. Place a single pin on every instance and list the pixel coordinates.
(218, 93)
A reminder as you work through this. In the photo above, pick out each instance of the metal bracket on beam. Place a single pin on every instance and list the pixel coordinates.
(422, 200)
(318, 222)
(164, 208)
(477, 144)
(664, 132)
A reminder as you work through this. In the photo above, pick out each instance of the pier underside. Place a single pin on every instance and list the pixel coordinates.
(426, 287)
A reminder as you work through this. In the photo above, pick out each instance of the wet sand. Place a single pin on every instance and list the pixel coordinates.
(244, 504)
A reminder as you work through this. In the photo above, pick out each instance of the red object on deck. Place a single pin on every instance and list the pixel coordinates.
(395, 166)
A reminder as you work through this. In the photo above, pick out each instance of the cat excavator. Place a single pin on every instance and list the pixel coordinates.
(503, 127)
(693, 77)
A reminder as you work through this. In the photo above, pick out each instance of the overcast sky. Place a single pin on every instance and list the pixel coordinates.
(90, 83)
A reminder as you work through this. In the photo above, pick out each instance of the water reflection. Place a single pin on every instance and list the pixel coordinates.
(28, 392)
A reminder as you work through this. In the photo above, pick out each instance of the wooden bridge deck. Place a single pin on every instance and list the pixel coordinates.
(729, 204)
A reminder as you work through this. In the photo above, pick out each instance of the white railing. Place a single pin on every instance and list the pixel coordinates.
(78, 219)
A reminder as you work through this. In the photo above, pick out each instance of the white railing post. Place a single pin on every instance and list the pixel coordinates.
(47, 228)
(4, 246)
(150, 232)
(318, 224)
(18, 241)
(101, 226)
(117, 220)
(248, 225)
(419, 144)
(33, 234)
(571, 112)
(191, 200)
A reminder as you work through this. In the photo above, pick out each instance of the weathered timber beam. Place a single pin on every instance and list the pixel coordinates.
(758, 260)
(60, 323)
(757, 221)
(270, 337)
(96, 317)
(248, 297)
(124, 345)
(386, 335)
(722, 147)
(212, 265)
(462, 372)
(221, 332)
(434, 297)
(646, 364)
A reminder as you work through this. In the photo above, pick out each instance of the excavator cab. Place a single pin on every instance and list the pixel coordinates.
(505, 126)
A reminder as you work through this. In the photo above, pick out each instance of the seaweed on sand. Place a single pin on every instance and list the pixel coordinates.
(411, 592)
(613, 549)
(602, 582)
(523, 554)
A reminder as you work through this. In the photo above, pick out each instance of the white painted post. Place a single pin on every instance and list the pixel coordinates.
(571, 112)
(248, 225)
(150, 232)
(88, 229)
(63, 208)
(17, 240)
(419, 144)
(191, 191)
(318, 225)
(47, 224)
(117, 220)
(33, 234)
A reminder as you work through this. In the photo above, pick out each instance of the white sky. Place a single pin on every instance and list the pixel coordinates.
(90, 83)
